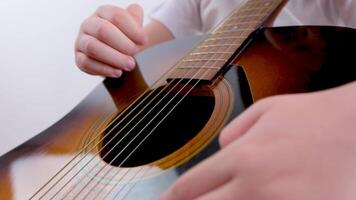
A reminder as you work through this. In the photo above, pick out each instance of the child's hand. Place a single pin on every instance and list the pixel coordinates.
(108, 39)
(287, 147)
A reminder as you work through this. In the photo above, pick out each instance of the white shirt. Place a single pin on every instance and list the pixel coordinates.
(188, 17)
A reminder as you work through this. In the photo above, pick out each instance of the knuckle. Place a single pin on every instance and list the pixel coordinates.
(106, 71)
(223, 139)
(78, 60)
(90, 48)
(131, 48)
(82, 62)
(103, 8)
(103, 31)
(85, 23)
(119, 15)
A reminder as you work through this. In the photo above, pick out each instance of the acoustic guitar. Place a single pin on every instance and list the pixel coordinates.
(132, 137)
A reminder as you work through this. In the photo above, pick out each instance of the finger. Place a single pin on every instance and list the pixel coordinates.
(227, 191)
(136, 12)
(94, 67)
(243, 123)
(201, 179)
(101, 52)
(109, 34)
(124, 21)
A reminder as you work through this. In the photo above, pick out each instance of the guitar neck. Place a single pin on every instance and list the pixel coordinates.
(208, 58)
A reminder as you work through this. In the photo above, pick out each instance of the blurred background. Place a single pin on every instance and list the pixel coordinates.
(39, 82)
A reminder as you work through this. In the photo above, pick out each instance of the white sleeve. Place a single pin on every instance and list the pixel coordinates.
(181, 17)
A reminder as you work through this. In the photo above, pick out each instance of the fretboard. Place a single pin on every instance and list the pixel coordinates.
(213, 53)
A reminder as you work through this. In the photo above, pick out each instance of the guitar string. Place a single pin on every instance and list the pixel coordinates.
(114, 158)
(124, 149)
(151, 101)
(124, 161)
(101, 132)
(125, 134)
(128, 181)
(121, 189)
(167, 85)
(122, 120)
(144, 139)
(110, 179)
(134, 176)
(138, 133)
(119, 180)
(156, 84)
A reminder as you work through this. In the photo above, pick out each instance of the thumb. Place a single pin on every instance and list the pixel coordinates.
(136, 12)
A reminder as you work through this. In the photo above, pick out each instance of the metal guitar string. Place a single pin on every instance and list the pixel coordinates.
(109, 152)
(146, 106)
(100, 133)
(132, 186)
(162, 110)
(115, 185)
(119, 191)
(126, 115)
(110, 179)
(145, 137)
(157, 83)
(171, 109)
(136, 123)
(140, 102)
(155, 127)
(133, 177)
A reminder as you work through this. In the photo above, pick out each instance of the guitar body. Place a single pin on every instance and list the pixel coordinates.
(122, 142)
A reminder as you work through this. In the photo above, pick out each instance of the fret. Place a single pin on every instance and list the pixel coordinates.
(235, 30)
(253, 4)
(206, 74)
(219, 45)
(261, 13)
(210, 53)
(207, 55)
(224, 38)
(199, 67)
(245, 13)
(256, 6)
(254, 9)
(242, 23)
(205, 60)
(239, 16)
(242, 28)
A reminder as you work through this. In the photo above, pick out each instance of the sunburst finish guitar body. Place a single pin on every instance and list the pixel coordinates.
(132, 137)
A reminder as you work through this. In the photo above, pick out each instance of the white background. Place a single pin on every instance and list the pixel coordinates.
(39, 82)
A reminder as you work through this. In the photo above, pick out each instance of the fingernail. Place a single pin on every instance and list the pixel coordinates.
(117, 73)
(131, 64)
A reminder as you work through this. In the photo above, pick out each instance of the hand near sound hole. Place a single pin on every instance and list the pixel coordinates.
(108, 39)
(287, 147)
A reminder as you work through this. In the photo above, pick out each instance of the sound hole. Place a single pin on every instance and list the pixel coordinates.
(158, 124)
